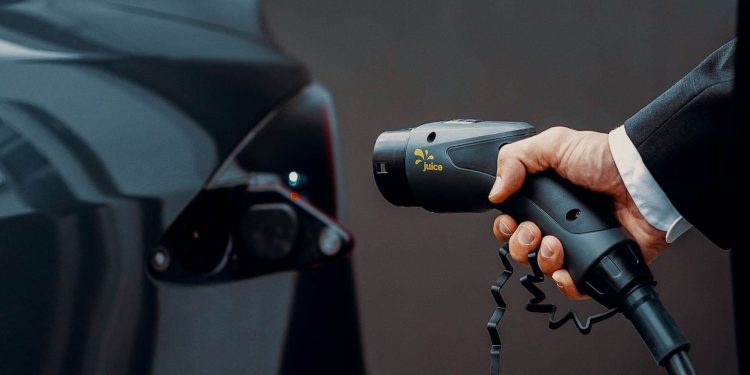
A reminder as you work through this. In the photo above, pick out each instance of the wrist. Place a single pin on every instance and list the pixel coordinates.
(641, 187)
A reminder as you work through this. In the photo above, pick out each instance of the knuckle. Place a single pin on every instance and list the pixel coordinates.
(505, 154)
(558, 131)
(557, 134)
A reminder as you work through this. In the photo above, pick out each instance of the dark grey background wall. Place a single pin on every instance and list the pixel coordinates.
(423, 279)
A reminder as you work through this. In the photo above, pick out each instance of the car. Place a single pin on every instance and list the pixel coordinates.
(169, 188)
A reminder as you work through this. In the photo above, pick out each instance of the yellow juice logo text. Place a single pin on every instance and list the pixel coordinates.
(424, 158)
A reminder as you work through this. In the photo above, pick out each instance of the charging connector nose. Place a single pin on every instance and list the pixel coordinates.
(389, 167)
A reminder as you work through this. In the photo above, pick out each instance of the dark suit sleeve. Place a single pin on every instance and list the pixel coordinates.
(686, 140)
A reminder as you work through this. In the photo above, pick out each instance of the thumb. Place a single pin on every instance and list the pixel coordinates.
(511, 174)
(530, 155)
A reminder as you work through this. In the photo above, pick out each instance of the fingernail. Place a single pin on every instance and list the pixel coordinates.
(496, 187)
(559, 284)
(504, 228)
(545, 250)
(525, 236)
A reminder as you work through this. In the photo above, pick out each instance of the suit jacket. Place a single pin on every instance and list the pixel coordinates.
(686, 138)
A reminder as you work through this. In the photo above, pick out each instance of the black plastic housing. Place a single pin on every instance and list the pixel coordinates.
(652, 321)
(450, 167)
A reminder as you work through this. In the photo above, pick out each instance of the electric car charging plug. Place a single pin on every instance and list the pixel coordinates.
(450, 167)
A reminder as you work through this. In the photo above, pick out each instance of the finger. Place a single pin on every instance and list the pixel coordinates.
(567, 287)
(524, 240)
(504, 227)
(551, 255)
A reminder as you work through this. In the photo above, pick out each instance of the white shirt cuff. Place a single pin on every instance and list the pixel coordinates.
(650, 199)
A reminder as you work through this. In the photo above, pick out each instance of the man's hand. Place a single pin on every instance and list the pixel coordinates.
(583, 158)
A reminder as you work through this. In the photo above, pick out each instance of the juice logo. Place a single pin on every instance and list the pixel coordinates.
(424, 158)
